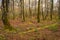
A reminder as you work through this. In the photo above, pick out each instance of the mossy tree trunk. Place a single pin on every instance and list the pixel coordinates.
(23, 15)
(5, 4)
(22, 9)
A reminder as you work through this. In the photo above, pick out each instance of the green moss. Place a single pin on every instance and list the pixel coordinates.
(32, 38)
(2, 37)
(10, 29)
(36, 30)
(53, 28)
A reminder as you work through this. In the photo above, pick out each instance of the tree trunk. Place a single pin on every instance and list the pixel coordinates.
(13, 10)
(59, 13)
(42, 10)
(23, 15)
(46, 8)
(5, 10)
(38, 15)
(51, 11)
(30, 9)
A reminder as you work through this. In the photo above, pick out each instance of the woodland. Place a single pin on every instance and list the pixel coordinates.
(29, 19)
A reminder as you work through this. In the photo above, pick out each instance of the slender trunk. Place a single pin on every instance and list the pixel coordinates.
(38, 15)
(35, 8)
(51, 11)
(23, 10)
(30, 9)
(42, 11)
(43, 14)
(59, 14)
(20, 8)
(46, 8)
(13, 10)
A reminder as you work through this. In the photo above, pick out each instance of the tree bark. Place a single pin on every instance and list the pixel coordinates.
(51, 11)
(5, 4)
(59, 14)
(38, 15)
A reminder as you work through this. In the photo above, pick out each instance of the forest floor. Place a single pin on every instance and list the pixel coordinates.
(31, 30)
